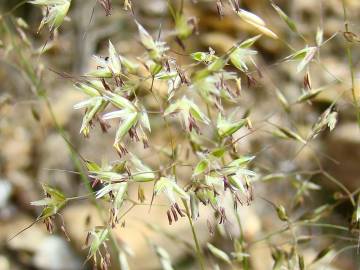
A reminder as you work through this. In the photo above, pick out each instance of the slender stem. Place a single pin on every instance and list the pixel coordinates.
(323, 225)
(351, 65)
(300, 223)
(197, 245)
(341, 185)
(269, 236)
(341, 251)
(82, 197)
(245, 262)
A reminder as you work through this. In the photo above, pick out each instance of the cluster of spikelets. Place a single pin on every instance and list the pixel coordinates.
(111, 92)
(55, 12)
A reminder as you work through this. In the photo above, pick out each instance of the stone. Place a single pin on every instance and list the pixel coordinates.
(54, 253)
(5, 193)
(4, 263)
(28, 240)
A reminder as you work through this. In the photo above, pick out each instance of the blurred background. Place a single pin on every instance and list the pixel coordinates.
(32, 151)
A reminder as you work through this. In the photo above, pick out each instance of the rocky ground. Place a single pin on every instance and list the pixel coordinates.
(32, 150)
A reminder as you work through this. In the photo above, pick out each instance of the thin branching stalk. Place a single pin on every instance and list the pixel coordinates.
(245, 261)
(351, 65)
(199, 252)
